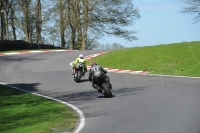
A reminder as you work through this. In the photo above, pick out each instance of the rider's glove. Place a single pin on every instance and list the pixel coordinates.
(105, 71)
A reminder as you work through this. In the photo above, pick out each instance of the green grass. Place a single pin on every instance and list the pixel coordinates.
(182, 59)
(22, 112)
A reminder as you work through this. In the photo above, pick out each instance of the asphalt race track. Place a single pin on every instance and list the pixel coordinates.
(141, 103)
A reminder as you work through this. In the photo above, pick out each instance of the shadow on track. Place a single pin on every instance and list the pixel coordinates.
(28, 87)
(84, 80)
(4, 59)
(128, 91)
(85, 96)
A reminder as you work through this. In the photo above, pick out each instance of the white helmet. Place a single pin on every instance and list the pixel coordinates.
(81, 56)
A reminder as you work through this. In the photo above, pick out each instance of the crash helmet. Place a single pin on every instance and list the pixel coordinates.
(94, 63)
(81, 56)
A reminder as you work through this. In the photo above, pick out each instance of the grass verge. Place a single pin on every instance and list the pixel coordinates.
(181, 59)
(26, 113)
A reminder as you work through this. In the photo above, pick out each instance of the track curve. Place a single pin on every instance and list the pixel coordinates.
(141, 103)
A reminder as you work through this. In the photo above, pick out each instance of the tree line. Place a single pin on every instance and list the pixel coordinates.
(194, 8)
(74, 24)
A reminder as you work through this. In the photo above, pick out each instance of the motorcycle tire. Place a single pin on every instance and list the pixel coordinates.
(78, 76)
(107, 91)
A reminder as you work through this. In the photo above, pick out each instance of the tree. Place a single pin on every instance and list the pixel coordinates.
(72, 17)
(91, 44)
(85, 25)
(110, 46)
(111, 17)
(4, 19)
(193, 9)
(117, 46)
(75, 23)
(62, 22)
(12, 14)
(38, 21)
(26, 22)
(6, 11)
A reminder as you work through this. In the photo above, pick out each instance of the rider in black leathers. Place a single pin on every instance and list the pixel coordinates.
(92, 73)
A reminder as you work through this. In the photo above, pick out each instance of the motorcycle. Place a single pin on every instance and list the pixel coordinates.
(79, 71)
(103, 82)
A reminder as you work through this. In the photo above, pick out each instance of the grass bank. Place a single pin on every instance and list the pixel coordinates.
(181, 59)
(26, 113)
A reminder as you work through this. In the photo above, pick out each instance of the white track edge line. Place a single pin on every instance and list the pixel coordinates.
(173, 76)
(37, 51)
(11, 53)
(80, 113)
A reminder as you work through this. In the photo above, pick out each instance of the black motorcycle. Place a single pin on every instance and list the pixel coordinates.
(103, 82)
(79, 72)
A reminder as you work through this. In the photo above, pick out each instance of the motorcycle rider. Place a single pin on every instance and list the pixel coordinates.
(94, 71)
(80, 59)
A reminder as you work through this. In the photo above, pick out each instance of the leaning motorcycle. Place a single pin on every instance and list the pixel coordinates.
(104, 85)
(78, 72)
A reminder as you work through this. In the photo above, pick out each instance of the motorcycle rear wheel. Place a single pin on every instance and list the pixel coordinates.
(78, 76)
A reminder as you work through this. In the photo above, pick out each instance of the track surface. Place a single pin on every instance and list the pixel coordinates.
(141, 103)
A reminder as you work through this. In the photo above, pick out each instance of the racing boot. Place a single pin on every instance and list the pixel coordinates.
(73, 71)
(110, 85)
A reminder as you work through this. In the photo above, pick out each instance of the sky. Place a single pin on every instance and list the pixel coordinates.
(161, 22)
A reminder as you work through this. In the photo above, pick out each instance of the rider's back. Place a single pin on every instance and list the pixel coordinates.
(96, 71)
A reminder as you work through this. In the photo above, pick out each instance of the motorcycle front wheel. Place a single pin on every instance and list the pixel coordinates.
(107, 91)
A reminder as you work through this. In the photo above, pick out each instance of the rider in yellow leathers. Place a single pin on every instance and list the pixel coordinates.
(80, 59)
